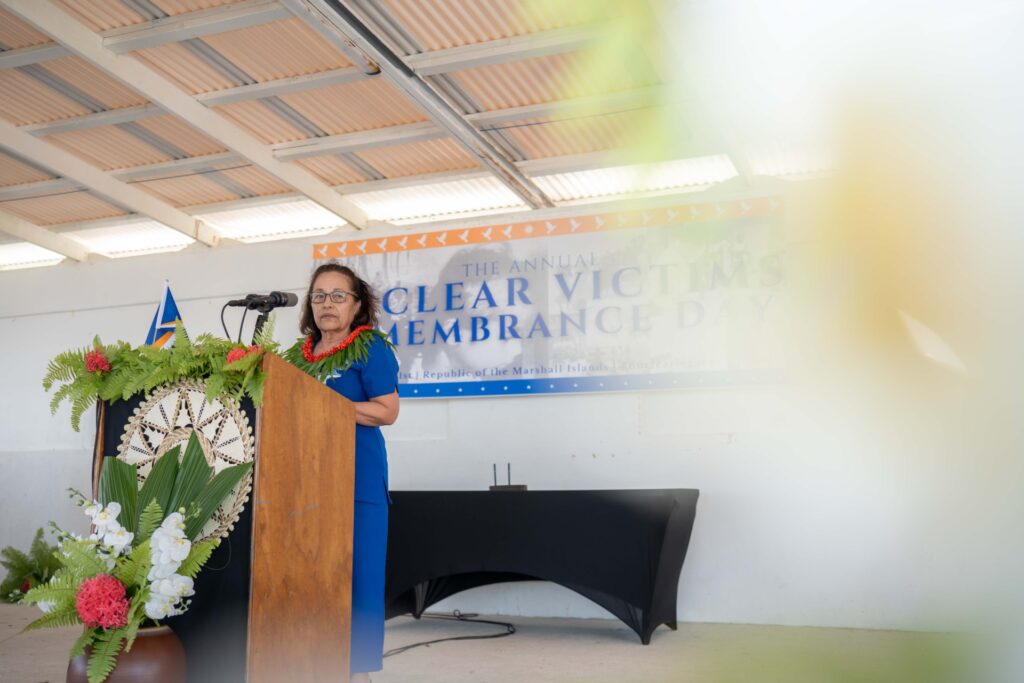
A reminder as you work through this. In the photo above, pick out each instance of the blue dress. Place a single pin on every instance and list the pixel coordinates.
(377, 376)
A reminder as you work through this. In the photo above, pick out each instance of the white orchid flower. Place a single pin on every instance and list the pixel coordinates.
(102, 519)
(171, 548)
(159, 607)
(175, 586)
(45, 606)
(117, 538)
(162, 570)
(174, 523)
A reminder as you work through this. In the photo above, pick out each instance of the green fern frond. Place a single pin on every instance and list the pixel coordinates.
(42, 554)
(149, 519)
(15, 561)
(79, 404)
(82, 560)
(265, 337)
(197, 557)
(104, 655)
(60, 588)
(83, 641)
(65, 616)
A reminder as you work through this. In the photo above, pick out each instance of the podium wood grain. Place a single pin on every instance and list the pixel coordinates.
(300, 600)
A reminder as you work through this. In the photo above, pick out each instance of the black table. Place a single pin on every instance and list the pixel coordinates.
(621, 549)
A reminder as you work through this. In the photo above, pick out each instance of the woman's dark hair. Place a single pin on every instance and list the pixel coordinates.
(369, 306)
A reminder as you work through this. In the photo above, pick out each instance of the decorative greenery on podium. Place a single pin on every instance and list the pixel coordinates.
(139, 563)
(118, 371)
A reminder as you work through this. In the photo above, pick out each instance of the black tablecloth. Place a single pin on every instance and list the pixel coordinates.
(623, 550)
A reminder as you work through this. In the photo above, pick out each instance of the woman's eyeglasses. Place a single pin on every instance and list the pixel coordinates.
(338, 296)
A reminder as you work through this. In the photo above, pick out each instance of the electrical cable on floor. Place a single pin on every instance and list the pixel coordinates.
(456, 615)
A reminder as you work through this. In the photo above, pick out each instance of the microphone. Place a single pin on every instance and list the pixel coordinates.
(266, 302)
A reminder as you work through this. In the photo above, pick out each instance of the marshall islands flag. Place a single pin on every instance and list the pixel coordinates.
(161, 331)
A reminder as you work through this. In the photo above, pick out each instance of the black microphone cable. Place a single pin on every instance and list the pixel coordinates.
(456, 615)
(224, 324)
(245, 312)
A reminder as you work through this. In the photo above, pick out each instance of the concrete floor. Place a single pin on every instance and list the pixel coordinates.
(577, 650)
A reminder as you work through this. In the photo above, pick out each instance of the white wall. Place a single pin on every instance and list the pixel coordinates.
(800, 520)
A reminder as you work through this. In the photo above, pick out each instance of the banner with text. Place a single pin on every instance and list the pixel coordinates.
(666, 297)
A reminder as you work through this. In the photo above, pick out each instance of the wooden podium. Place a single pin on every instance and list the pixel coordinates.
(273, 604)
(300, 600)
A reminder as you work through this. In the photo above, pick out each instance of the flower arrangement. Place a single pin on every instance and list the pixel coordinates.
(118, 371)
(139, 563)
(27, 570)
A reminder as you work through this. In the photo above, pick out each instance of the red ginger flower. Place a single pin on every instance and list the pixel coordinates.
(236, 354)
(101, 601)
(96, 361)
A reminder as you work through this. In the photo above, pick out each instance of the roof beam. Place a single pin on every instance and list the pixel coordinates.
(30, 232)
(338, 25)
(281, 86)
(24, 56)
(526, 46)
(38, 189)
(193, 25)
(354, 142)
(71, 167)
(178, 166)
(78, 38)
(426, 130)
(103, 118)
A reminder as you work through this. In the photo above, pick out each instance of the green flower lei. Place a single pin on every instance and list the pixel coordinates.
(354, 349)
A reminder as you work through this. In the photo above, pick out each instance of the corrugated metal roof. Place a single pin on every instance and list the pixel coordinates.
(108, 148)
(429, 156)
(100, 15)
(131, 239)
(546, 79)
(278, 50)
(332, 169)
(187, 190)
(299, 218)
(256, 180)
(26, 100)
(183, 136)
(69, 207)
(362, 105)
(15, 172)
(439, 24)
(184, 68)
(81, 74)
(176, 7)
(543, 138)
(639, 179)
(455, 198)
(261, 122)
(15, 33)
(24, 255)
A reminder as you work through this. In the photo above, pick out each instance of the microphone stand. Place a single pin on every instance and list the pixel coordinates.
(264, 310)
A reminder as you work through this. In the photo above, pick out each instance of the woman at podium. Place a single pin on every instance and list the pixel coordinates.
(339, 320)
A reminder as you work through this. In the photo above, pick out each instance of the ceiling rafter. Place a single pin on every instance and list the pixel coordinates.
(193, 25)
(344, 30)
(515, 48)
(83, 42)
(40, 236)
(433, 63)
(122, 194)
